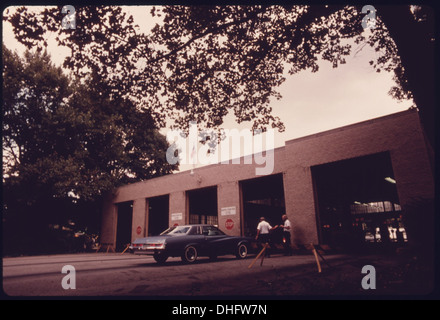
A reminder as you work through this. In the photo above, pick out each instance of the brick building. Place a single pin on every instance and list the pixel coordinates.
(335, 186)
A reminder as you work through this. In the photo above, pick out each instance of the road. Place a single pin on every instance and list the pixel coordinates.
(126, 275)
(115, 274)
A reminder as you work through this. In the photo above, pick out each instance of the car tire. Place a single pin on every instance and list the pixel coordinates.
(242, 251)
(189, 254)
(160, 257)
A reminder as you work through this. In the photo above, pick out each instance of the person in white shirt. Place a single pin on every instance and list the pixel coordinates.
(286, 235)
(263, 235)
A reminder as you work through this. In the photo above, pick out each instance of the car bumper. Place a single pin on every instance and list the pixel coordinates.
(141, 251)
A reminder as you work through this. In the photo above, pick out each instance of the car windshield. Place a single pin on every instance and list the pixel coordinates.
(177, 230)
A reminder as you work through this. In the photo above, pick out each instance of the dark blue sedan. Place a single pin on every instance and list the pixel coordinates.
(190, 242)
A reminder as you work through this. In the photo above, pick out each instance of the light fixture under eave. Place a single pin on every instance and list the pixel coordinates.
(391, 180)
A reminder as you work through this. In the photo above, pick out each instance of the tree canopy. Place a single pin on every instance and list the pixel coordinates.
(66, 143)
(203, 62)
(70, 137)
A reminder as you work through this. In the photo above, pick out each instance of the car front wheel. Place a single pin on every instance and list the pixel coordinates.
(242, 251)
(189, 254)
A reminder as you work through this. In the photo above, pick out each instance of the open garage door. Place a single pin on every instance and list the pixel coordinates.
(158, 214)
(123, 231)
(357, 202)
(262, 197)
(202, 206)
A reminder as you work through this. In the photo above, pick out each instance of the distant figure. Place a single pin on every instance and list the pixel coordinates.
(286, 235)
(384, 234)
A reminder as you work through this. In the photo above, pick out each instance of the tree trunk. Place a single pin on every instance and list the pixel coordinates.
(415, 44)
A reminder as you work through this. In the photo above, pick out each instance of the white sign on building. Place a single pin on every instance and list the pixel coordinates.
(176, 216)
(228, 211)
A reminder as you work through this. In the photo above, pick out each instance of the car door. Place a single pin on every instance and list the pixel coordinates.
(215, 240)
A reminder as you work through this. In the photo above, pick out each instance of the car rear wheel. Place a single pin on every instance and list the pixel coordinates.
(160, 257)
(189, 254)
(242, 251)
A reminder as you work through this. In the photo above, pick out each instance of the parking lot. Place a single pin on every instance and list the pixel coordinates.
(115, 274)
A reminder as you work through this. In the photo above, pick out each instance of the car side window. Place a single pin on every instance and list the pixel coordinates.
(211, 231)
(194, 230)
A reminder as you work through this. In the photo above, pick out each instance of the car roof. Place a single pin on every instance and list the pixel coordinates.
(197, 224)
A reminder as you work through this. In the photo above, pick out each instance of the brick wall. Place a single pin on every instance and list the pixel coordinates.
(399, 133)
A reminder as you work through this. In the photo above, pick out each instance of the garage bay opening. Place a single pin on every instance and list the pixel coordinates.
(123, 231)
(202, 206)
(158, 212)
(262, 197)
(357, 203)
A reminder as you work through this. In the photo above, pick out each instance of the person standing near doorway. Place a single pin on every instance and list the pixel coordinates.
(286, 235)
(263, 234)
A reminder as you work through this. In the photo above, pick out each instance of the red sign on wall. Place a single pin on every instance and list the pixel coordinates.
(229, 224)
(138, 230)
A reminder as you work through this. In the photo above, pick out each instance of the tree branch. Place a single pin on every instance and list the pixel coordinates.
(213, 30)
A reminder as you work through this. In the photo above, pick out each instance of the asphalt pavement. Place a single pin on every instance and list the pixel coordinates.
(278, 277)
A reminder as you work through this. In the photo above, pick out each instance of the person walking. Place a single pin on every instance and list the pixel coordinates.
(263, 234)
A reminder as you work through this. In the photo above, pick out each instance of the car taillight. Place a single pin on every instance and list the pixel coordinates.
(156, 245)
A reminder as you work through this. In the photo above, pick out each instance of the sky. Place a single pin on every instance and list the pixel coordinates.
(311, 102)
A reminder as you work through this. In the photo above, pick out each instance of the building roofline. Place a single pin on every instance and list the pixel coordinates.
(353, 125)
(287, 142)
(206, 167)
